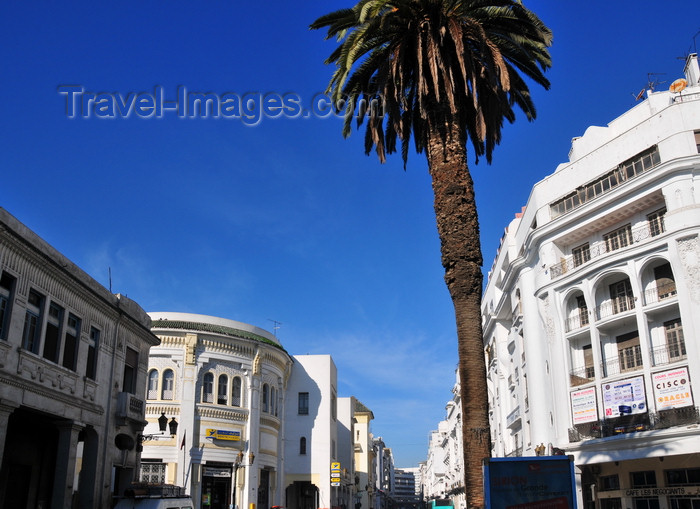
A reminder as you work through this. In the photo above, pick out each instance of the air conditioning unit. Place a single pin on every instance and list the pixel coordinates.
(130, 407)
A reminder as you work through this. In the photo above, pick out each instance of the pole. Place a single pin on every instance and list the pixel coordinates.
(235, 481)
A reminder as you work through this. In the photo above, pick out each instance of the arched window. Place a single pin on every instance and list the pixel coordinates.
(168, 384)
(222, 393)
(266, 398)
(236, 391)
(273, 400)
(302, 445)
(208, 388)
(152, 392)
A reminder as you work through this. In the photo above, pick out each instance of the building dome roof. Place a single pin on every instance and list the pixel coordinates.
(211, 324)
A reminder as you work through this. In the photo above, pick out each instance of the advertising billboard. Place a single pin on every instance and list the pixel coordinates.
(535, 482)
(672, 389)
(624, 397)
(583, 406)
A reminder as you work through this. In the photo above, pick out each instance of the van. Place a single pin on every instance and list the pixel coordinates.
(149, 496)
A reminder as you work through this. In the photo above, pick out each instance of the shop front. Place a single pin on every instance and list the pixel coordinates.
(216, 485)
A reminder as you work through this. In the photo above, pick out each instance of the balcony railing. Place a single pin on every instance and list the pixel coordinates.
(614, 307)
(615, 366)
(676, 417)
(668, 354)
(513, 417)
(634, 423)
(578, 320)
(130, 407)
(660, 293)
(580, 376)
(629, 361)
(638, 235)
(517, 452)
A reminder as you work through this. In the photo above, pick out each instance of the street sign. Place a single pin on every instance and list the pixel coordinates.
(223, 434)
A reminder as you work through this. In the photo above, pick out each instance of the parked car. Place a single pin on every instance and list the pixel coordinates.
(151, 496)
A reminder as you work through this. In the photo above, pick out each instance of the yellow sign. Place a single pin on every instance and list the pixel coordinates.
(223, 434)
(335, 479)
(335, 465)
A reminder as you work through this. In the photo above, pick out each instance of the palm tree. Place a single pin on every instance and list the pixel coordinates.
(444, 72)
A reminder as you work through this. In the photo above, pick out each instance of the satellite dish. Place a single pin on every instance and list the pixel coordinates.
(678, 85)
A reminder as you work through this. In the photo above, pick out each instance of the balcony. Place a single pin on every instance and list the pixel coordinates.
(665, 419)
(637, 236)
(577, 321)
(130, 407)
(513, 419)
(610, 427)
(580, 376)
(517, 452)
(614, 307)
(660, 293)
(676, 417)
(668, 354)
(627, 362)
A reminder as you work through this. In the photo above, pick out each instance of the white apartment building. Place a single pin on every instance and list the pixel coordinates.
(311, 436)
(443, 471)
(73, 362)
(435, 469)
(225, 382)
(592, 310)
(453, 456)
(384, 475)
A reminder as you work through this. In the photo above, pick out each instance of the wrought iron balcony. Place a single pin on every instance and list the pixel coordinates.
(638, 235)
(635, 423)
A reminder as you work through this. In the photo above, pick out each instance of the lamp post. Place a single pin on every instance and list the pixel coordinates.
(238, 463)
(162, 425)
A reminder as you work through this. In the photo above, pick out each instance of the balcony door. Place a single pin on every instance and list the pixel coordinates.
(621, 296)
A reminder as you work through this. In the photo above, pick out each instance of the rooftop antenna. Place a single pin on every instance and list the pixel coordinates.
(653, 83)
(275, 325)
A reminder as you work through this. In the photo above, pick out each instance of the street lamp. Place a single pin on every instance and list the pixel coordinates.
(238, 463)
(162, 425)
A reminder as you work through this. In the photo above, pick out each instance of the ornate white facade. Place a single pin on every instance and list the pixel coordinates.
(443, 471)
(592, 310)
(224, 381)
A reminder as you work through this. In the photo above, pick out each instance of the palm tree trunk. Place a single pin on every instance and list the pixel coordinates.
(458, 228)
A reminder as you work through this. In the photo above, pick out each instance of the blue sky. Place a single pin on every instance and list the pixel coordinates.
(285, 220)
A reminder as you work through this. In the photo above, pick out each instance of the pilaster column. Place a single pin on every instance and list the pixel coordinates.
(250, 495)
(6, 409)
(65, 463)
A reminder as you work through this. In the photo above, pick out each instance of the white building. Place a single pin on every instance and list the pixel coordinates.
(452, 449)
(434, 484)
(346, 488)
(311, 436)
(384, 475)
(72, 374)
(443, 471)
(592, 310)
(225, 382)
(364, 457)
